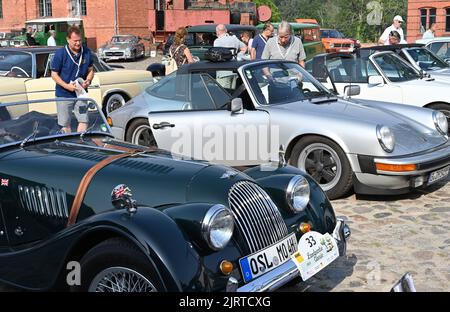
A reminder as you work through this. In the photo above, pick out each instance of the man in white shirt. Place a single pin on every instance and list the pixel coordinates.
(397, 26)
(51, 42)
(429, 34)
(224, 40)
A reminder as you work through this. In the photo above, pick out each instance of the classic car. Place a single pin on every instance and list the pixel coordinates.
(234, 112)
(25, 75)
(310, 35)
(201, 37)
(420, 58)
(440, 46)
(58, 24)
(335, 41)
(140, 219)
(126, 47)
(8, 42)
(383, 76)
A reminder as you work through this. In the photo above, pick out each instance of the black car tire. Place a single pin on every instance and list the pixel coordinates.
(116, 253)
(140, 125)
(343, 175)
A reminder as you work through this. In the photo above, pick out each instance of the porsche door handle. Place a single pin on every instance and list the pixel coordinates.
(163, 125)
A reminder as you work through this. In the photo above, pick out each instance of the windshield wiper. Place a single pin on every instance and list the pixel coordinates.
(32, 135)
(323, 97)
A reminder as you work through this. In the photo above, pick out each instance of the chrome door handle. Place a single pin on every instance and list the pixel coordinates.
(162, 125)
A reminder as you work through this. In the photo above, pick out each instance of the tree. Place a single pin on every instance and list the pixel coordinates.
(360, 19)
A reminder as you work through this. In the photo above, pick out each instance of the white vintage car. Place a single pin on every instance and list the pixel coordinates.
(25, 75)
(382, 76)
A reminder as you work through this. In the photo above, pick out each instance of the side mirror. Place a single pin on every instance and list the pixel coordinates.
(376, 80)
(352, 90)
(236, 106)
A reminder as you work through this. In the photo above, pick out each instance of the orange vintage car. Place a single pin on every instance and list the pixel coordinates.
(335, 41)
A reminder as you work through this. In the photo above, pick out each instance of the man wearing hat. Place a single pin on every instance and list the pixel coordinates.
(396, 26)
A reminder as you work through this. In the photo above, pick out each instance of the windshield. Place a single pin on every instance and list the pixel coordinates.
(40, 119)
(332, 33)
(122, 39)
(395, 69)
(283, 82)
(15, 64)
(426, 59)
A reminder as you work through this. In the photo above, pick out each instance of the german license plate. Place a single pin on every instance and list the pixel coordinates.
(438, 175)
(315, 252)
(268, 259)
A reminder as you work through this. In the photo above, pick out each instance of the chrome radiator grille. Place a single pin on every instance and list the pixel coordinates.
(44, 201)
(256, 215)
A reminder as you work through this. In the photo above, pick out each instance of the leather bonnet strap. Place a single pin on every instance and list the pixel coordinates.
(86, 180)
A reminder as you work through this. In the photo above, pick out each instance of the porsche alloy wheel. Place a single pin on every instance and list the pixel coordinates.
(140, 133)
(325, 162)
(120, 279)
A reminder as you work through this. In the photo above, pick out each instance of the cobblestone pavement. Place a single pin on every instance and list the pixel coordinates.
(390, 236)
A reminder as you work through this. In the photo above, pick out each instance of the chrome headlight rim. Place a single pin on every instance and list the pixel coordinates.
(438, 118)
(381, 138)
(207, 224)
(296, 182)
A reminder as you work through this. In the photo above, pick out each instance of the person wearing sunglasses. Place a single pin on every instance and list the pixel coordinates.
(396, 26)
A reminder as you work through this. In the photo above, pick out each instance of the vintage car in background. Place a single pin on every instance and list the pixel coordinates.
(439, 45)
(374, 148)
(122, 47)
(383, 76)
(25, 75)
(9, 42)
(140, 219)
(334, 41)
(201, 37)
(59, 24)
(310, 35)
(420, 58)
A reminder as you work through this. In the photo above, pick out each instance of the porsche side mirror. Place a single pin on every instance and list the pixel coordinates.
(236, 106)
(376, 80)
(352, 90)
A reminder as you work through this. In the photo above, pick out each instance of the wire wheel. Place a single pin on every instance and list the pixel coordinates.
(120, 279)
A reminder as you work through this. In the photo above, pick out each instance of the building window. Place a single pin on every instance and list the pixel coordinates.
(1, 9)
(447, 20)
(423, 20)
(432, 18)
(427, 17)
(78, 7)
(45, 8)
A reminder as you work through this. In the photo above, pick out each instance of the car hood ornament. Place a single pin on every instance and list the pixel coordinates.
(121, 197)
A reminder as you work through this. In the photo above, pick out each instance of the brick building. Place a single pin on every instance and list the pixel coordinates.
(421, 13)
(102, 18)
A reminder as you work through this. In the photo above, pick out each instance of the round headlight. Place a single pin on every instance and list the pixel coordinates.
(386, 138)
(217, 226)
(298, 193)
(441, 123)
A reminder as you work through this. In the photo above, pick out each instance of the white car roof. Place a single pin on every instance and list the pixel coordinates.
(55, 20)
(437, 39)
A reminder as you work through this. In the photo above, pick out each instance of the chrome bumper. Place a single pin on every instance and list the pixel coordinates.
(288, 270)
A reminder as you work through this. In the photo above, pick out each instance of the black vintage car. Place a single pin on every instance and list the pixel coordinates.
(139, 219)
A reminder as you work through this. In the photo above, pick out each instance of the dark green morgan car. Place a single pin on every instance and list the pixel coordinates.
(81, 211)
